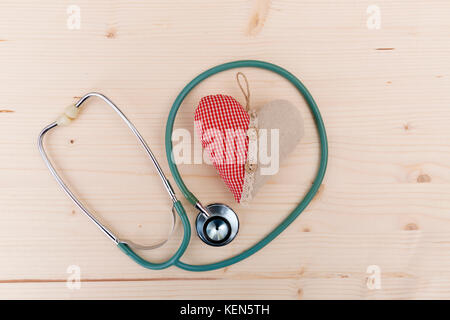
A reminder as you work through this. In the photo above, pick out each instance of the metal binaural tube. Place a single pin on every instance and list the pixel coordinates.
(66, 189)
(143, 143)
(65, 119)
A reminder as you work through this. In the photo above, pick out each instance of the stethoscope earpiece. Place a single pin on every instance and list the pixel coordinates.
(218, 226)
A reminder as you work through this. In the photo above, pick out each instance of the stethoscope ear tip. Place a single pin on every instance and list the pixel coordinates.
(219, 227)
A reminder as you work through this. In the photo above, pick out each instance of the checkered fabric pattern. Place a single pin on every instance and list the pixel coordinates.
(222, 123)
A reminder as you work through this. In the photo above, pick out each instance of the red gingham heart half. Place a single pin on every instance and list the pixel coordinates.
(222, 124)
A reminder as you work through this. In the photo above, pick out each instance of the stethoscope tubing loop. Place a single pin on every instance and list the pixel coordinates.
(191, 197)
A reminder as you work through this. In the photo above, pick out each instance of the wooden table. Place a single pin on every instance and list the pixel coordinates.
(379, 71)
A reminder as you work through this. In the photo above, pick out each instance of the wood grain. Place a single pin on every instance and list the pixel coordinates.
(384, 96)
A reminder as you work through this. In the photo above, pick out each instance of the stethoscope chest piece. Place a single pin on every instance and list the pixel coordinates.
(218, 228)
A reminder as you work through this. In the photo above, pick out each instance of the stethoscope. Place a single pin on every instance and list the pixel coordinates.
(216, 224)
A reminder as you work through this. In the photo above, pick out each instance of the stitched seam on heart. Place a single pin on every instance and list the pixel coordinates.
(249, 177)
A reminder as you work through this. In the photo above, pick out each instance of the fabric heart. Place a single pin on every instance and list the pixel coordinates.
(230, 135)
(222, 124)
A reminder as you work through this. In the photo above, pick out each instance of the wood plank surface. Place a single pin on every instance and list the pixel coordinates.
(383, 93)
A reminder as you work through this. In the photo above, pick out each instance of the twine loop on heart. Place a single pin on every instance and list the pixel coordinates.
(251, 164)
(246, 92)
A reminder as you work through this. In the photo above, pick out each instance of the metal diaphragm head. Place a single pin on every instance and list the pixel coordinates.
(220, 227)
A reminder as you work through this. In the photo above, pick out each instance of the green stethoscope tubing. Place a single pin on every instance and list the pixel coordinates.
(171, 261)
(175, 259)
